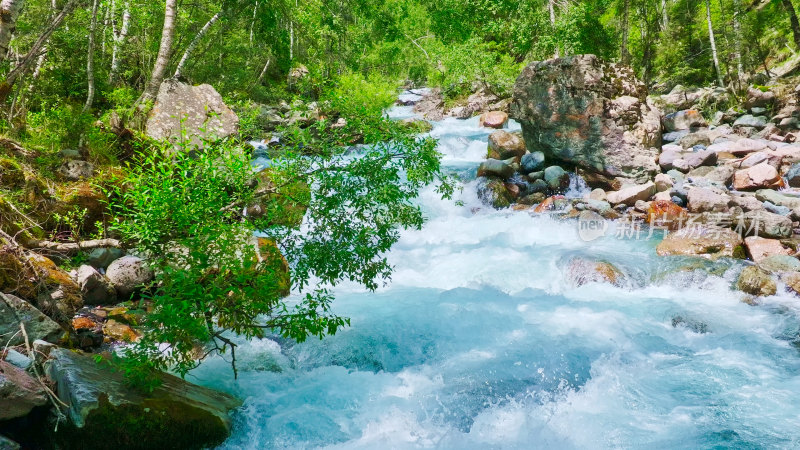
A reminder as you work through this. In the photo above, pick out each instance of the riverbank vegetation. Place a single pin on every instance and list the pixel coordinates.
(79, 78)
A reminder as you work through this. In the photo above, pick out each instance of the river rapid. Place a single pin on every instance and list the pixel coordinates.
(482, 341)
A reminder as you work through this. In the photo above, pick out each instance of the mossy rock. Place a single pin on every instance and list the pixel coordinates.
(12, 175)
(274, 261)
(106, 412)
(13, 223)
(287, 206)
(84, 195)
(755, 281)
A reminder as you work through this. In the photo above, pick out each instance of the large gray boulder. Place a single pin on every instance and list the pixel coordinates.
(183, 108)
(129, 274)
(177, 414)
(585, 111)
(13, 311)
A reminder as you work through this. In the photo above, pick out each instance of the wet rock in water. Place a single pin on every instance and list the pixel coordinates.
(581, 271)
(533, 199)
(666, 214)
(196, 111)
(496, 168)
(759, 176)
(760, 248)
(706, 200)
(14, 310)
(767, 224)
(780, 263)
(493, 192)
(504, 145)
(629, 195)
(755, 281)
(590, 113)
(128, 275)
(532, 162)
(705, 241)
(493, 119)
(557, 179)
(691, 324)
(95, 288)
(683, 120)
(19, 392)
(412, 123)
(177, 414)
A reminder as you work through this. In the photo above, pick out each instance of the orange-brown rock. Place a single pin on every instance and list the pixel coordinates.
(760, 248)
(581, 271)
(493, 119)
(665, 213)
(118, 331)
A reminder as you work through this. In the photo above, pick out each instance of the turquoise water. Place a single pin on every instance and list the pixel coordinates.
(481, 341)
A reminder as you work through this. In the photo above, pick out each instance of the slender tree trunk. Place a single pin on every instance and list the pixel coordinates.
(664, 15)
(625, 56)
(737, 39)
(713, 44)
(793, 20)
(9, 12)
(43, 56)
(550, 6)
(263, 71)
(90, 58)
(164, 52)
(25, 62)
(253, 22)
(193, 44)
(119, 42)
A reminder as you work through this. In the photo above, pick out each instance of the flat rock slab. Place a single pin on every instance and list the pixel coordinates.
(177, 414)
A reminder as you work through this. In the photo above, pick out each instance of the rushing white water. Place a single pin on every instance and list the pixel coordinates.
(480, 341)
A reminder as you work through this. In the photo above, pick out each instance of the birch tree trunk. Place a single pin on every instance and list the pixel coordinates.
(90, 58)
(664, 15)
(737, 40)
(193, 44)
(253, 22)
(550, 6)
(119, 42)
(625, 56)
(713, 44)
(9, 12)
(25, 62)
(164, 51)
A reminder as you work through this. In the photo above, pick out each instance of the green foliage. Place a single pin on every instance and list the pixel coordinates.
(183, 211)
(462, 65)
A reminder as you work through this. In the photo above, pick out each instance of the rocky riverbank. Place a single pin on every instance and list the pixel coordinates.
(715, 183)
